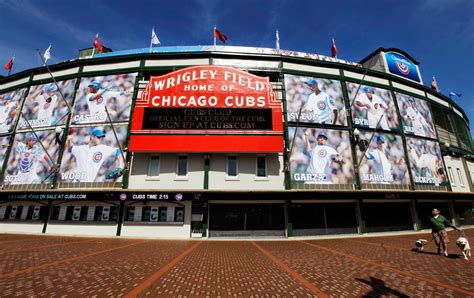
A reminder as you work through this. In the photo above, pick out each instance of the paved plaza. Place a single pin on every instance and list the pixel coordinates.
(52, 266)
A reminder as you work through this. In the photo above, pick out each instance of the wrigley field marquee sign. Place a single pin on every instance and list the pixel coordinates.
(207, 109)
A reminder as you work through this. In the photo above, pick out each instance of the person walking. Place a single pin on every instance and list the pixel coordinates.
(438, 225)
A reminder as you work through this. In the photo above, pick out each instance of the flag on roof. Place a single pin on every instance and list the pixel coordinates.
(97, 43)
(220, 35)
(333, 49)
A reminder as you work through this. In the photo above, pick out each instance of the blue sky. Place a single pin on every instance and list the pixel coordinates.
(437, 33)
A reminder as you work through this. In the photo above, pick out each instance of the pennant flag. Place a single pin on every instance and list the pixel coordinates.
(97, 43)
(333, 49)
(277, 41)
(454, 94)
(154, 38)
(9, 65)
(47, 54)
(434, 85)
(220, 35)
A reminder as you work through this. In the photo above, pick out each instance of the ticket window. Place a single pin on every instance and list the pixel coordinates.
(98, 213)
(179, 214)
(130, 213)
(105, 213)
(15, 212)
(8, 210)
(34, 212)
(162, 211)
(83, 213)
(76, 213)
(55, 213)
(29, 212)
(146, 212)
(154, 214)
(70, 212)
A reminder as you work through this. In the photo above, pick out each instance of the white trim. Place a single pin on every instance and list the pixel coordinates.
(409, 89)
(307, 68)
(56, 74)
(176, 62)
(358, 76)
(14, 83)
(246, 63)
(438, 100)
(458, 112)
(113, 66)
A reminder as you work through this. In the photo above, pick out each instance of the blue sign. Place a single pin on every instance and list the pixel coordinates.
(401, 66)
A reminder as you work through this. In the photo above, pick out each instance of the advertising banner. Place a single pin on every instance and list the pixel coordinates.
(320, 156)
(384, 159)
(10, 104)
(207, 109)
(314, 100)
(28, 162)
(45, 106)
(426, 162)
(93, 155)
(416, 116)
(95, 94)
(371, 106)
(400, 65)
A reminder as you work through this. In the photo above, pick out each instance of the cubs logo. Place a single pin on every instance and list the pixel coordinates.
(402, 67)
(321, 105)
(322, 153)
(97, 157)
(100, 100)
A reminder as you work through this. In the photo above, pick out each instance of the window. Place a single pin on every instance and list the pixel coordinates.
(461, 181)
(84, 212)
(98, 213)
(182, 165)
(146, 212)
(179, 214)
(55, 213)
(154, 166)
(451, 176)
(162, 212)
(261, 166)
(8, 210)
(232, 166)
(130, 215)
(29, 213)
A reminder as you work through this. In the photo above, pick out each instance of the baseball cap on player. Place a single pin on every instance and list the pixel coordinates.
(411, 100)
(380, 139)
(49, 88)
(323, 134)
(312, 82)
(95, 85)
(30, 137)
(368, 89)
(97, 132)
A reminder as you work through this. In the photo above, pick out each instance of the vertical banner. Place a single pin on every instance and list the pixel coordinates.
(4, 143)
(315, 100)
(416, 116)
(321, 156)
(45, 106)
(384, 160)
(426, 162)
(371, 106)
(92, 154)
(28, 162)
(9, 109)
(94, 94)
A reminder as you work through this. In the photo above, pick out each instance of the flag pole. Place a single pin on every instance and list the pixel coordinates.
(151, 39)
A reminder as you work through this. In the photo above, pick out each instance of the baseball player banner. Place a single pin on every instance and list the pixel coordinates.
(416, 116)
(384, 159)
(9, 106)
(93, 155)
(44, 105)
(372, 106)
(95, 94)
(4, 143)
(314, 100)
(427, 165)
(29, 163)
(320, 156)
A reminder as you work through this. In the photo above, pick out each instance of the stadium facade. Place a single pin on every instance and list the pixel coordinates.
(211, 141)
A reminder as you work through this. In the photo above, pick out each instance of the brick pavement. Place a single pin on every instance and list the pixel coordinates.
(33, 265)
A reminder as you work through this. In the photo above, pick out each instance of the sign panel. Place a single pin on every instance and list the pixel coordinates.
(416, 116)
(315, 100)
(92, 154)
(372, 106)
(96, 94)
(321, 156)
(207, 109)
(384, 159)
(28, 162)
(45, 106)
(401, 66)
(9, 109)
(426, 162)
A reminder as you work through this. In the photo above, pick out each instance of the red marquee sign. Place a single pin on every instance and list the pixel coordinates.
(207, 109)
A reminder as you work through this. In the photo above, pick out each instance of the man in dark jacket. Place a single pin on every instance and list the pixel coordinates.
(438, 225)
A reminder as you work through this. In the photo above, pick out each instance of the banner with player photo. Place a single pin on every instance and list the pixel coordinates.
(320, 156)
(93, 155)
(29, 163)
(384, 159)
(44, 105)
(95, 94)
(371, 106)
(10, 104)
(4, 143)
(416, 116)
(315, 100)
(426, 162)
